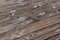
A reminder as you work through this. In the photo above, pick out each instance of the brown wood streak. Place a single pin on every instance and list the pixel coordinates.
(36, 26)
(46, 28)
(41, 32)
(49, 35)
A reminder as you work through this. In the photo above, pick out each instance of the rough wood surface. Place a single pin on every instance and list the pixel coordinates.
(29, 19)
